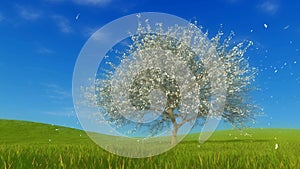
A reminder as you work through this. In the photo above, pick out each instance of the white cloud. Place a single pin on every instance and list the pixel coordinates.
(65, 112)
(91, 2)
(99, 36)
(44, 50)
(56, 92)
(28, 13)
(55, 1)
(83, 2)
(63, 24)
(88, 31)
(233, 1)
(269, 6)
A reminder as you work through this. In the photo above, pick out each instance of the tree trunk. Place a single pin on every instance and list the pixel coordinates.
(175, 125)
(174, 135)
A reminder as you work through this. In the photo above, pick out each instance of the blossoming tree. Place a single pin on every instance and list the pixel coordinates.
(163, 81)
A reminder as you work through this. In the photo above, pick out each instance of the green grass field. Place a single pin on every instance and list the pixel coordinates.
(34, 145)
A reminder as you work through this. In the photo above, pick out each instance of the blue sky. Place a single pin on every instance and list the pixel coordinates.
(40, 41)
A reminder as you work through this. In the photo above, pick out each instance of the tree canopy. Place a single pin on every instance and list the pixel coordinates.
(176, 77)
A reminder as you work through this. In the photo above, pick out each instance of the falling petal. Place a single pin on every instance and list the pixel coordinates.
(286, 27)
(77, 16)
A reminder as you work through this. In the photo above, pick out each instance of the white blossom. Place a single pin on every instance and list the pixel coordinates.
(162, 79)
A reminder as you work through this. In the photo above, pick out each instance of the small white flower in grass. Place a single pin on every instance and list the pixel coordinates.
(198, 146)
(247, 134)
(56, 129)
(276, 146)
(49, 140)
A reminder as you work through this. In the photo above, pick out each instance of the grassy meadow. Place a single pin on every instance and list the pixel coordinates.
(34, 145)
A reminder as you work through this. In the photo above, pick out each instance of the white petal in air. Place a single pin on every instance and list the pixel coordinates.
(276, 146)
(286, 27)
(265, 25)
